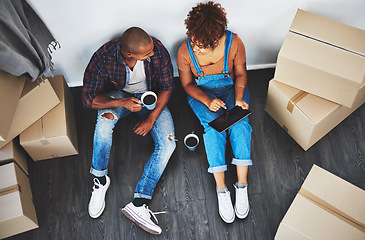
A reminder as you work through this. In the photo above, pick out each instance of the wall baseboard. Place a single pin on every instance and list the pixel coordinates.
(261, 66)
(249, 67)
(76, 84)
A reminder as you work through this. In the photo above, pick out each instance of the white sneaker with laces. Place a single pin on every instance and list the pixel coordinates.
(142, 217)
(225, 207)
(242, 207)
(97, 200)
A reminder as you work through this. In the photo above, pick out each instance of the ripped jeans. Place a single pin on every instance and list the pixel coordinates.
(163, 135)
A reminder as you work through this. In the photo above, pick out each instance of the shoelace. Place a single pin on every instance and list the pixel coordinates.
(96, 186)
(152, 213)
(96, 183)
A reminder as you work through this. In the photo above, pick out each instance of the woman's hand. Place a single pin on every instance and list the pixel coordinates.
(241, 103)
(215, 104)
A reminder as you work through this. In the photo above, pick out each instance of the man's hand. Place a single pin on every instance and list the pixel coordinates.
(143, 127)
(215, 104)
(132, 104)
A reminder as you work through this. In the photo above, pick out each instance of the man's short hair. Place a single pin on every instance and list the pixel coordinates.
(134, 38)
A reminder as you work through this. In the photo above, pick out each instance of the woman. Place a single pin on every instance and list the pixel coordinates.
(212, 69)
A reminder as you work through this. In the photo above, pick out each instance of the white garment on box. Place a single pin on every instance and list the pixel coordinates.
(137, 79)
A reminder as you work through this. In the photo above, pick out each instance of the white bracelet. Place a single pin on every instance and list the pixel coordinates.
(240, 86)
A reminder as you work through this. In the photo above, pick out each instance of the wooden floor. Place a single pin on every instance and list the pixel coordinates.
(62, 187)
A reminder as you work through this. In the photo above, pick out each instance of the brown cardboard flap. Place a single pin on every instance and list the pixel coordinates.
(10, 189)
(331, 209)
(54, 135)
(334, 65)
(326, 185)
(329, 31)
(34, 103)
(10, 90)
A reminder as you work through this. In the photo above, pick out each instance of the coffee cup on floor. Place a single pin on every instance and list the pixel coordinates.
(149, 100)
(191, 141)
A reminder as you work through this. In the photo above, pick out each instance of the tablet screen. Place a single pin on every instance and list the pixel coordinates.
(229, 118)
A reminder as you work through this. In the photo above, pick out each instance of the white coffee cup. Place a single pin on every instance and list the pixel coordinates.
(191, 141)
(149, 100)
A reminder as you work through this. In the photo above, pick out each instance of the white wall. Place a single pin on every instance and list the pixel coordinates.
(82, 26)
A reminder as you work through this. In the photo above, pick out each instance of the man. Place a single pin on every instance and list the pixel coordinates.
(118, 74)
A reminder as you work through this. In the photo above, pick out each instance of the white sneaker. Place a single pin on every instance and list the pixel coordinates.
(142, 217)
(97, 200)
(242, 207)
(225, 207)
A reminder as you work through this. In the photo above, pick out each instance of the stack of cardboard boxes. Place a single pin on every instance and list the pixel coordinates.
(43, 115)
(319, 78)
(319, 81)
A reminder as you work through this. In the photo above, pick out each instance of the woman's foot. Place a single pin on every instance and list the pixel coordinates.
(242, 206)
(225, 205)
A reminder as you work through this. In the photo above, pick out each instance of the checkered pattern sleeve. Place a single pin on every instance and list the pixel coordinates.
(94, 80)
(166, 81)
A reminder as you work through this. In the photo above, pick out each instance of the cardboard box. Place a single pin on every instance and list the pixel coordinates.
(306, 117)
(13, 152)
(17, 211)
(35, 101)
(323, 57)
(326, 207)
(54, 135)
(10, 90)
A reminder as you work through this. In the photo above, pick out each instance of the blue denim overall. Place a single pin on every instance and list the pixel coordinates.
(221, 86)
(156, 164)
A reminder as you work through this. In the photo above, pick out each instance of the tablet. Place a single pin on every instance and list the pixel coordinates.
(229, 118)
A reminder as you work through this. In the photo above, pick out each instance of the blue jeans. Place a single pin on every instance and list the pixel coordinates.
(163, 135)
(215, 143)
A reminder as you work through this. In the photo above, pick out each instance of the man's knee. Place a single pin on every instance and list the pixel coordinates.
(171, 142)
(107, 115)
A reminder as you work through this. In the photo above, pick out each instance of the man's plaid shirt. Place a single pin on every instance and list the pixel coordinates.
(107, 71)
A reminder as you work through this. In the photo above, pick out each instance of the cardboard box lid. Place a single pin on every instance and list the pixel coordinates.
(329, 31)
(45, 127)
(7, 151)
(17, 211)
(10, 90)
(335, 62)
(335, 194)
(314, 107)
(14, 152)
(35, 101)
(15, 193)
(58, 114)
(305, 220)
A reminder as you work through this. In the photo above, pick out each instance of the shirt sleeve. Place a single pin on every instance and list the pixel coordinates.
(167, 71)
(93, 81)
(240, 57)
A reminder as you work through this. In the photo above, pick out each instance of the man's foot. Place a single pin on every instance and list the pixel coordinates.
(142, 217)
(225, 206)
(242, 207)
(97, 200)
